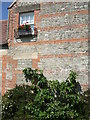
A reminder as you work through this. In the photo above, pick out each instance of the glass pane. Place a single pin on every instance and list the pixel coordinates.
(27, 17)
(21, 21)
(24, 21)
(32, 19)
(32, 27)
(23, 18)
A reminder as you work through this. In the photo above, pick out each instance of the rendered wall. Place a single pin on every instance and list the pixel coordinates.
(61, 44)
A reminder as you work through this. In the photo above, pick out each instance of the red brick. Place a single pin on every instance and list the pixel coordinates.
(62, 27)
(51, 41)
(64, 13)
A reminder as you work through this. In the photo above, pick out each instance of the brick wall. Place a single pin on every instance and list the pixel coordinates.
(3, 32)
(61, 44)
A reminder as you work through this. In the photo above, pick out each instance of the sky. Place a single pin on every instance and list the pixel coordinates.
(3, 10)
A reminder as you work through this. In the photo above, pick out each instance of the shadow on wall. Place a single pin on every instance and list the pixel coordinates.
(4, 46)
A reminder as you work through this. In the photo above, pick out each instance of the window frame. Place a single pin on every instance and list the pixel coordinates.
(27, 13)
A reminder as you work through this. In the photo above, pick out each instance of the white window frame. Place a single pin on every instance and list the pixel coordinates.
(27, 14)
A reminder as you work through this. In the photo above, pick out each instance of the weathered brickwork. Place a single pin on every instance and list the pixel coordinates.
(60, 46)
(58, 68)
(63, 7)
(64, 33)
(64, 20)
(8, 73)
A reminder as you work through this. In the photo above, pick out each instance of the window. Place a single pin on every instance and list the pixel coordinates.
(27, 18)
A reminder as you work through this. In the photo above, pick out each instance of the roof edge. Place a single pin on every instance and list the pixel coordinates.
(12, 4)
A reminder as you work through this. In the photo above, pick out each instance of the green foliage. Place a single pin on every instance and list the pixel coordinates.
(14, 102)
(86, 106)
(54, 100)
(36, 77)
(46, 100)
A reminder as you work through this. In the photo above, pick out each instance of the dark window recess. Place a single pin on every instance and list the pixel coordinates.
(4, 46)
(24, 32)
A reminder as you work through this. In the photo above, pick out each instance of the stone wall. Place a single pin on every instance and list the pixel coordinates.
(60, 46)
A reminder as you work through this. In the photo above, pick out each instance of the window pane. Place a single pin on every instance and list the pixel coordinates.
(32, 27)
(27, 17)
(21, 21)
(24, 22)
(32, 19)
(23, 18)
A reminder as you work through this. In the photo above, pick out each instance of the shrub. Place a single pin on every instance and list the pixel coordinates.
(86, 106)
(54, 100)
(14, 101)
(46, 100)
